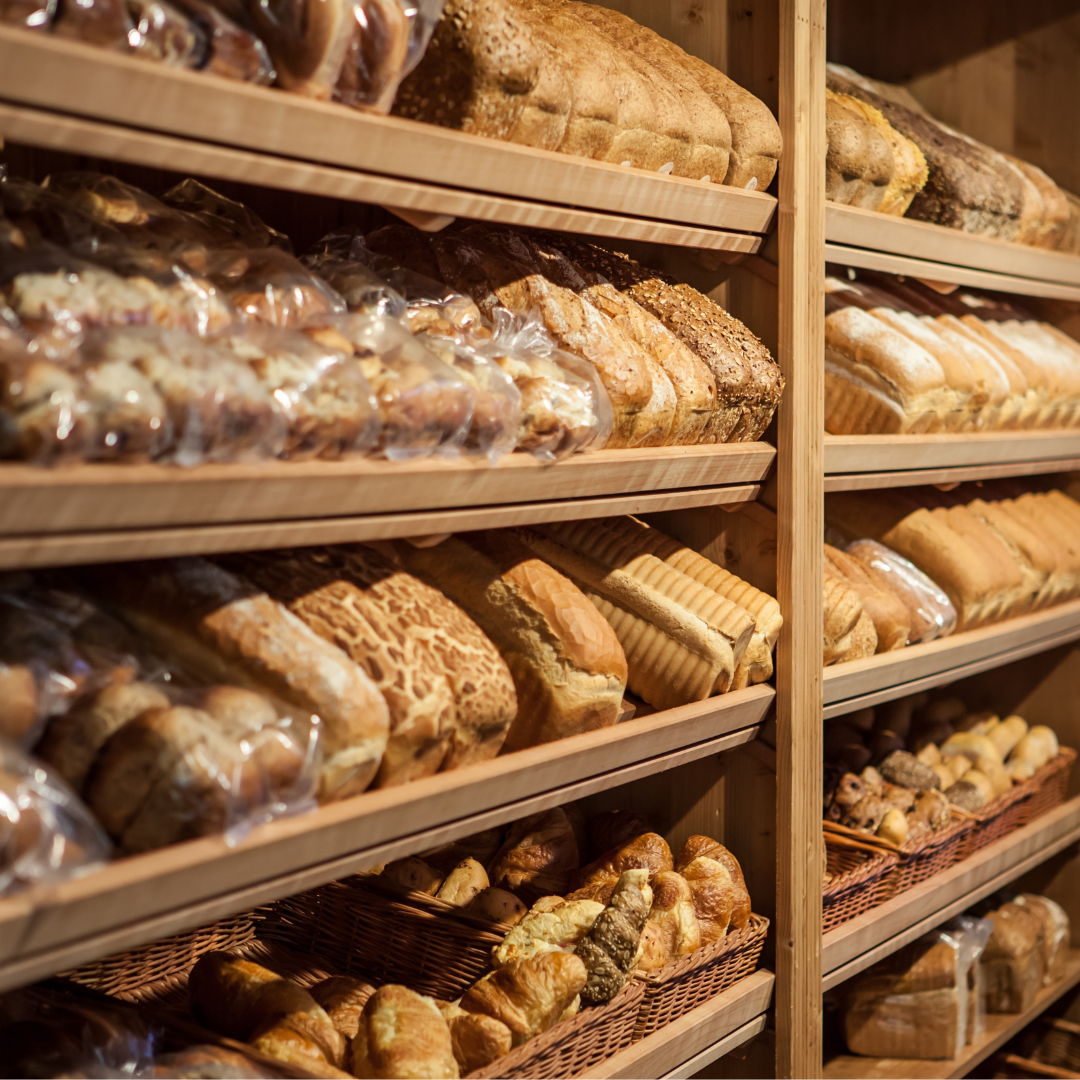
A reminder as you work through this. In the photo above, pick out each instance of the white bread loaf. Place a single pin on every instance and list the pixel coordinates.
(568, 666)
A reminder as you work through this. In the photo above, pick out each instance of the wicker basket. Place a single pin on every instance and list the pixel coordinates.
(925, 858)
(860, 881)
(1053, 1041)
(1049, 787)
(684, 985)
(575, 1045)
(403, 937)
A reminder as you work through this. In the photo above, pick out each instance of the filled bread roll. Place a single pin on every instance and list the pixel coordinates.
(528, 996)
(498, 905)
(545, 929)
(402, 1034)
(610, 949)
(477, 1040)
(714, 897)
(464, 883)
(538, 857)
(343, 999)
(567, 664)
(225, 628)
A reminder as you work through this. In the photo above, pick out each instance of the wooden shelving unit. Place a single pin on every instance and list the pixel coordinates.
(1000, 1028)
(875, 679)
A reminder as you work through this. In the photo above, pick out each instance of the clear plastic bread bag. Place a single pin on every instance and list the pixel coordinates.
(271, 286)
(972, 934)
(167, 35)
(232, 51)
(105, 23)
(361, 288)
(230, 223)
(49, 835)
(31, 14)
(564, 406)
(218, 408)
(330, 406)
(934, 615)
(426, 406)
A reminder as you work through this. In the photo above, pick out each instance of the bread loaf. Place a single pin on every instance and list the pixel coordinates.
(223, 626)
(567, 664)
(887, 611)
(680, 639)
(402, 1034)
(1012, 962)
(538, 857)
(859, 164)
(842, 610)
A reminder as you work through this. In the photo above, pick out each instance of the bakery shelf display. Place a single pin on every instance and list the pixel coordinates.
(862, 942)
(47, 73)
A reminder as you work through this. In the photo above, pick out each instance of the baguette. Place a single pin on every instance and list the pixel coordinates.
(230, 631)
(568, 667)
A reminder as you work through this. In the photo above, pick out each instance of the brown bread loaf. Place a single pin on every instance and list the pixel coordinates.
(566, 661)
(231, 631)
(888, 613)
(538, 857)
(842, 610)
(859, 164)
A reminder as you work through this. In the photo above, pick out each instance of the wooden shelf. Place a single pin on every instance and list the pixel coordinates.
(862, 683)
(1000, 1028)
(209, 121)
(88, 513)
(854, 462)
(862, 942)
(698, 1038)
(138, 899)
(882, 242)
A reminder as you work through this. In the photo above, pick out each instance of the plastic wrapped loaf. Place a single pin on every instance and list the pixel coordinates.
(426, 406)
(932, 612)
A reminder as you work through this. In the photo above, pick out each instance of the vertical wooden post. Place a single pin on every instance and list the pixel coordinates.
(799, 537)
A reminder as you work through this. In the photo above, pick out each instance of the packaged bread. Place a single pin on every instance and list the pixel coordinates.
(682, 640)
(376, 55)
(886, 610)
(450, 695)
(1014, 957)
(362, 289)
(48, 833)
(326, 398)
(104, 23)
(1056, 934)
(568, 667)
(230, 50)
(224, 628)
(226, 222)
(426, 406)
(31, 14)
(930, 611)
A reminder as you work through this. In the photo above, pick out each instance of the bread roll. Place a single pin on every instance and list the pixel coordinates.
(343, 999)
(227, 629)
(402, 1034)
(465, 882)
(653, 949)
(682, 641)
(610, 948)
(545, 929)
(568, 666)
(538, 857)
(673, 914)
(649, 852)
(528, 996)
(698, 845)
(1007, 734)
(477, 1040)
(714, 897)
(1039, 746)
(499, 906)
(412, 874)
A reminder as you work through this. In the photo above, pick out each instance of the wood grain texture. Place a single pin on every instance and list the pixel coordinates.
(801, 235)
(699, 1062)
(920, 240)
(906, 671)
(427, 206)
(191, 883)
(100, 496)
(698, 1032)
(49, 73)
(1000, 1028)
(862, 942)
(112, 545)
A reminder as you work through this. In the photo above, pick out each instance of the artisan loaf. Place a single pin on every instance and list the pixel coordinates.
(859, 163)
(842, 610)
(229, 630)
(568, 667)
(681, 639)
(756, 663)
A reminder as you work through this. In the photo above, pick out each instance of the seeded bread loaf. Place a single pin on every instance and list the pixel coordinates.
(229, 630)
(568, 666)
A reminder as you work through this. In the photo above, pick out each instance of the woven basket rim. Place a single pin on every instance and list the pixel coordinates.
(874, 867)
(935, 840)
(756, 928)
(424, 903)
(627, 999)
(1065, 756)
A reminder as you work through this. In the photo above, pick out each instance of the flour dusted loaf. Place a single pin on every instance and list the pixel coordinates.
(450, 695)
(229, 630)
(588, 81)
(568, 667)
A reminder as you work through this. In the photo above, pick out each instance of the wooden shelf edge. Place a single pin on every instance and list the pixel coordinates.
(1000, 1028)
(867, 682)
(850, 226)
(719, 1049)
(138, 899)
(862, 942)
(702, 1035)
(122, 545)
(48, 73)
(946, 272)
(53, 131)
